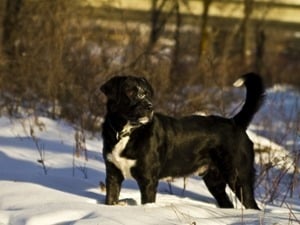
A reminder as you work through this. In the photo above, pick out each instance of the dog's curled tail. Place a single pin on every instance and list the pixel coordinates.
(254, 98)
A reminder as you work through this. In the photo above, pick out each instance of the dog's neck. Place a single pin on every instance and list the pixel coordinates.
(122, 129)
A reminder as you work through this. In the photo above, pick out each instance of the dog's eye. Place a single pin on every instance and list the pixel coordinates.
(141, 95)
(130, 93)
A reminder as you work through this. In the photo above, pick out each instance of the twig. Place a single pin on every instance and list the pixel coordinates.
(41, 150)
(292, 213)
(80, 147)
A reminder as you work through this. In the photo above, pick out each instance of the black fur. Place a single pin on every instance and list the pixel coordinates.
(161, 146)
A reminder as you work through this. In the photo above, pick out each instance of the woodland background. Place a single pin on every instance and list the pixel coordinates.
(55, 54)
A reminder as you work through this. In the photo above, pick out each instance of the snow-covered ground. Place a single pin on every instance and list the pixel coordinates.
(68, 191)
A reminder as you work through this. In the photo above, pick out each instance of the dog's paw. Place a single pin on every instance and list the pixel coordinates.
(127, 201)
(102, 186)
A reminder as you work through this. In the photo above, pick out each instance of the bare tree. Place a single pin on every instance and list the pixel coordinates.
(203, 26)
(159, 18)
(158, 21)
(260, 50)
(245, 27)
(175, 59)
(10, 22)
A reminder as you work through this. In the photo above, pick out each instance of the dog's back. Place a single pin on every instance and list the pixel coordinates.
(192, 140)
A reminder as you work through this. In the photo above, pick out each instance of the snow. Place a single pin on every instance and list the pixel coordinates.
(67, 191)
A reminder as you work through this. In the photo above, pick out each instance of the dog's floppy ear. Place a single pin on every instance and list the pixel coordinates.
(111, 87)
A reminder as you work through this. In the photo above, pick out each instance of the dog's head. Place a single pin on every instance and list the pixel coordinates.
(129, 97)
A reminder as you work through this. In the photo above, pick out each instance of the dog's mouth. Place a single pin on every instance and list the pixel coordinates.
(146, 119)
(141, 120)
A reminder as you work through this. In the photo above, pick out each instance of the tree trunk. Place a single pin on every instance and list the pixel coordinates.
(260, 50)
(248, 9)
(159, 20)
(203, 27)
(10, 22)
(176, 52)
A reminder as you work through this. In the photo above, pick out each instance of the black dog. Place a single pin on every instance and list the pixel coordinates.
(148, 146)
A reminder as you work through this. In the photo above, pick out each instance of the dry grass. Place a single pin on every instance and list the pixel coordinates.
(63, 53)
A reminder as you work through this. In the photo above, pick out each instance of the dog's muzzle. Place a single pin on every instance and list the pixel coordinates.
(142, 112)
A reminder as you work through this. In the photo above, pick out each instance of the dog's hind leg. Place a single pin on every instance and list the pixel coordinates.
(242, 186)
(247, 199)
(240, 175)
(216, 185)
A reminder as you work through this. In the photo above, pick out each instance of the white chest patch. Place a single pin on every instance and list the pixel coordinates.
(122, 163)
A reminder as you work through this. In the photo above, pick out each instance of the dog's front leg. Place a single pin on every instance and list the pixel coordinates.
(114, 179)
(148, 188)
